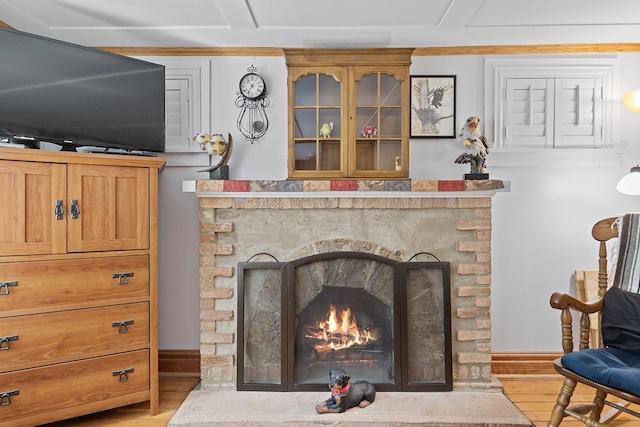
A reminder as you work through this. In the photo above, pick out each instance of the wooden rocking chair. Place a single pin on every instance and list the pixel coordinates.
(609, 370)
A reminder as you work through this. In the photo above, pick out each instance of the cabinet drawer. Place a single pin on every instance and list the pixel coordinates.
(65, 335)
(35, 285)
(67, 385)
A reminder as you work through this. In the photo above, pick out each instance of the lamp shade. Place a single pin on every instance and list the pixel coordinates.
(631, 100)
(630, 183)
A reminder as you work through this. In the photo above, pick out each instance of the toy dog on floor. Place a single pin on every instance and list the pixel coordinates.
(345, 395)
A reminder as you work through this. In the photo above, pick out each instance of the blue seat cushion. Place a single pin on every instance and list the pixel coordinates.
(616, 368)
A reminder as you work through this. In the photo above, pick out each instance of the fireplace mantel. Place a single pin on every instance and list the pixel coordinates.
(451, 219)
(346, 188)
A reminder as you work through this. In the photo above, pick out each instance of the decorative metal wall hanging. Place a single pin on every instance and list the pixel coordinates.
(252, 101)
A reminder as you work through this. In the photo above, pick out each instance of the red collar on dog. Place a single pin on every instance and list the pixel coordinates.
(342, 390)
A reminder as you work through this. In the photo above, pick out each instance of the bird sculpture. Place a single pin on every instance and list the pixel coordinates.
(476, 146)
(215, 145)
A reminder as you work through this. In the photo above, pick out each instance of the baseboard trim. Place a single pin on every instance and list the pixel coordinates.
(179, 362)
(187, 363)
(534, 363)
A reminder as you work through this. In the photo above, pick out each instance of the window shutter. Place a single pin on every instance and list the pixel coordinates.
(529, 120)
(579, 116)
(177, 132)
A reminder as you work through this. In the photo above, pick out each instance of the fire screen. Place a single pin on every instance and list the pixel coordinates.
(380, 320)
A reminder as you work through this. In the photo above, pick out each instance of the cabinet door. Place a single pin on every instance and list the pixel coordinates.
(379, 132)
(317, 122)
(28, 224)
(112, 206)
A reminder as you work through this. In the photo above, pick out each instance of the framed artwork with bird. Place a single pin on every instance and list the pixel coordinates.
(433, 107)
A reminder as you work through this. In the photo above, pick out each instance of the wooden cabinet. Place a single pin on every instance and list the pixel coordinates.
(348, 113)
(28, 199)
(56, 208)
(78, 284)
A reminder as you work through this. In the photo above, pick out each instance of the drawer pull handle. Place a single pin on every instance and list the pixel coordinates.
(75, 209)
(5, 342)
(4, 287)
(122, 277)
(122, 325)
(5, 397)
(58, 210)
(123, 374)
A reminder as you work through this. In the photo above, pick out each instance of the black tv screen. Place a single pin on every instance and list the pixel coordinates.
(78, 96)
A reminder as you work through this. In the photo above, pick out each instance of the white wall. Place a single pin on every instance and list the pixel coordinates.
(541, 228)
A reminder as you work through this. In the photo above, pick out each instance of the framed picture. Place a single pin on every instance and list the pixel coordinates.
(433, 107)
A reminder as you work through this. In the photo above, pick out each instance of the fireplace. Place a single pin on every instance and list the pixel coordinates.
(377, 318)
(381, 225)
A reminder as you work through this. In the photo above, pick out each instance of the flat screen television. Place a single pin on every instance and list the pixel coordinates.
(73, 95)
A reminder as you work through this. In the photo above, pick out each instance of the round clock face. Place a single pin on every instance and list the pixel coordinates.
(252, 86)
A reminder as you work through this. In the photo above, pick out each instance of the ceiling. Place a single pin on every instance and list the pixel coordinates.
(325, 23)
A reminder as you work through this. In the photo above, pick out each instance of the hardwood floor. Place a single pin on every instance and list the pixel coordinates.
(173, 390)
(534, 395)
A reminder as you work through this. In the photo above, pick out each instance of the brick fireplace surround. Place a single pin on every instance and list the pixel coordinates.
(287, 219)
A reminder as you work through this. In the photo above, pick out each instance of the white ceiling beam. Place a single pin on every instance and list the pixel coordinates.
(238, 14)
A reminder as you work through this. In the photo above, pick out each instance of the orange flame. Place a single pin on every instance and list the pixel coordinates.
(339, 331)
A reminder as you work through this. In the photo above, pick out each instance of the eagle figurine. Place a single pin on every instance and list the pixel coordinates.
(476, 146)
(215, 145)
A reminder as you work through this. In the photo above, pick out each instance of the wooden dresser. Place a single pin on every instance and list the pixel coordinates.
(78, 284)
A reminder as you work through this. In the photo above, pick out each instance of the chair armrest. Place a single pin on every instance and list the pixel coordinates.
(561, 301)
(566, 303)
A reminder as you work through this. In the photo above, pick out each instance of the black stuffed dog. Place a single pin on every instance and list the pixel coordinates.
(345, 395)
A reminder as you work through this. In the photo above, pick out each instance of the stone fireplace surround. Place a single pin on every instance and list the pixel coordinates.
(450, 219)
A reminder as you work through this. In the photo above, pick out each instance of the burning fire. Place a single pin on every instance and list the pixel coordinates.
(339, 331)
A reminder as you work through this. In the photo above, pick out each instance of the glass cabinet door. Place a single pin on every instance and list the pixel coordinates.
(318, 122)
(378, 126)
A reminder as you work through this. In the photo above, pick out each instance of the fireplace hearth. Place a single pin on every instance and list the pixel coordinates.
(377, 318)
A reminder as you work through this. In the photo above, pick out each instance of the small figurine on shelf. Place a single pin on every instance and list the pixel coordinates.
(477, 149)
(325, 129)
(369, 131)
(216, 145)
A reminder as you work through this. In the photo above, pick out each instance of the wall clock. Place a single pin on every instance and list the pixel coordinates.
(252, 86)
(252, 101)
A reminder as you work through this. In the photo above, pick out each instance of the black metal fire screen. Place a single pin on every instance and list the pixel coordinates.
(381, 320)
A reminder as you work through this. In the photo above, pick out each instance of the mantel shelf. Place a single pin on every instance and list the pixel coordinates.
(346, 188)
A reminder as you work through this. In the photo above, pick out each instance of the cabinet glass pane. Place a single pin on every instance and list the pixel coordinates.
(305, 123)
(329, 91)
(390, 90)
(330, 116)
(364, 117)
(305, 91)
(330, 155)
(366, 155)
(367, 90)
(390, 123)
(390, 155)
(305, 153)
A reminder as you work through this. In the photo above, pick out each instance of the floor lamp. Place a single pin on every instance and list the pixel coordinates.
(630, 183)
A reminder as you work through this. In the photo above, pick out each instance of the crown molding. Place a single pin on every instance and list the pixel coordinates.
(418, 51)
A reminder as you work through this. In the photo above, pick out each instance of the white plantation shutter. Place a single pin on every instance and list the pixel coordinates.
(530, 116)
(579, 118)
(553, 112)
(178, 134)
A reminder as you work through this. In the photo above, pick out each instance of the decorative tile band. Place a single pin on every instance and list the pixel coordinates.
(308, 186)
